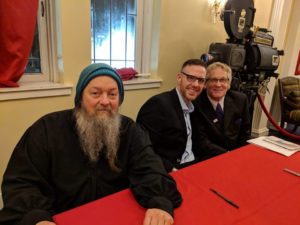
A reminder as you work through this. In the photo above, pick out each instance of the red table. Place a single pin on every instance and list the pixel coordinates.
(251, 177)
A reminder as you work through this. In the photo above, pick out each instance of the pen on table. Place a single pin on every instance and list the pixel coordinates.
(291, 172)
(224, 198)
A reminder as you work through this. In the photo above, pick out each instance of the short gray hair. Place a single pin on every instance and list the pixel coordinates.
(223, 66)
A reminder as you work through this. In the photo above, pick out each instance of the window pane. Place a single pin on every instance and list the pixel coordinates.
(131, 7)
(118, 64)
(130, 53)
(100, 30)
(130, 64)
(113, 32)
(118, 43)
(34, 60)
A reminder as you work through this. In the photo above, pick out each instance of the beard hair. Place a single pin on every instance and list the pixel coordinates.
(99, 134)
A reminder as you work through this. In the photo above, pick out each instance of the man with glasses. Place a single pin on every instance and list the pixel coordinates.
(166, 117)
(221, 116)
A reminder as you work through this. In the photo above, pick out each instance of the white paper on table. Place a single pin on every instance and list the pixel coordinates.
(276, 144)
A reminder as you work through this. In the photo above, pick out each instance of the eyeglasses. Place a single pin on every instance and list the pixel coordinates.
(192, 78)
(215, 80)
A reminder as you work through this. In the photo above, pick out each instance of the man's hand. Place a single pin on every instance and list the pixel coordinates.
(45, 223)
(157, 217)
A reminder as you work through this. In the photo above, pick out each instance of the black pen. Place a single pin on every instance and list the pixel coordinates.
(291, 172)
(224, 198)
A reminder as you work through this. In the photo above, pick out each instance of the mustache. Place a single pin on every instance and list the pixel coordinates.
(103, 108)
(107, 109)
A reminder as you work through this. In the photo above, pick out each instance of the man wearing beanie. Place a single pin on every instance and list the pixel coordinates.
(72, 157)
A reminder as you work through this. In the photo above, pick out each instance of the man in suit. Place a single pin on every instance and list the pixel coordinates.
(166, 117)
(221, 116)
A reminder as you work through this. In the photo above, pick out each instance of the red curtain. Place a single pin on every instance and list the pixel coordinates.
(17, 27)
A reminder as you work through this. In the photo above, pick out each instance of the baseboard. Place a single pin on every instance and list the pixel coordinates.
(260, 132)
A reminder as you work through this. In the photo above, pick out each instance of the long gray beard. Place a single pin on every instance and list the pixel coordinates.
(99, 134)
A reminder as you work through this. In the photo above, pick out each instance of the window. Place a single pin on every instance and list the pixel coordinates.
(40, 66)
(34, 60)
(117, 33)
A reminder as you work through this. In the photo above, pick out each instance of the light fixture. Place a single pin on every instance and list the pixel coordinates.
(215, 8)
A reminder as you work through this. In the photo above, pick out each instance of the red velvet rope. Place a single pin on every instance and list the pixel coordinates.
(284, 132)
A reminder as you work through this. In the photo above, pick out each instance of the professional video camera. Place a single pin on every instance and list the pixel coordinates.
(248, 52)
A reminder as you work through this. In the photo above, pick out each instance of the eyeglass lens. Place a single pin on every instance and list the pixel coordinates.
(192, 79)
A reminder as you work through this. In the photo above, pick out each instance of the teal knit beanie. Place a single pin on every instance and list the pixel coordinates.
(95, 70)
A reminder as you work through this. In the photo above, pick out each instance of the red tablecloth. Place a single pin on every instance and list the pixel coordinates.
(251, 177)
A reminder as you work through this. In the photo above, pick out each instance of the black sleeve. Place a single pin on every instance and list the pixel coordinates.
(27, 195)
(149, 181)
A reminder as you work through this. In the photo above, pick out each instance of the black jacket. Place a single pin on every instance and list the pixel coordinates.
(163, 118)
(235, 131)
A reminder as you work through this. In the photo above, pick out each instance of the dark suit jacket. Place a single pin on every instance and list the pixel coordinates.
(235, 131)
(163, 118)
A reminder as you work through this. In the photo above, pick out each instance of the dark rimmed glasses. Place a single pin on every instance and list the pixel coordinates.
(191, 78)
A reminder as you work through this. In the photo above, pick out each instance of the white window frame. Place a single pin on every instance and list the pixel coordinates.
(50, 44)
(144, 25)
(143, 49)
(44, 37)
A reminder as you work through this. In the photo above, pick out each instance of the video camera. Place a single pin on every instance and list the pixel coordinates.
(248, 52)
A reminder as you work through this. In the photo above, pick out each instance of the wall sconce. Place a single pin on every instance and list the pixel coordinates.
(216, 6)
